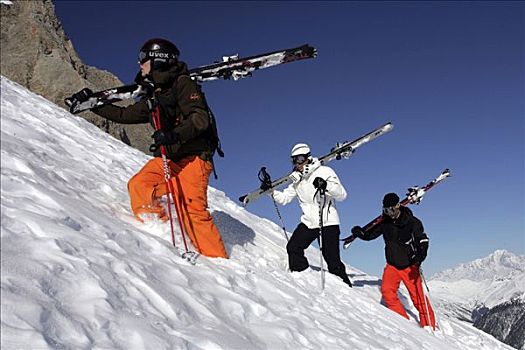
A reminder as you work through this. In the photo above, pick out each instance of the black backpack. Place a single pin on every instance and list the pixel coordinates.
(212, 132)
(215, 142)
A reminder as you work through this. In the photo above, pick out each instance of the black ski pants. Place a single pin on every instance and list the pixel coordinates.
(301, 239)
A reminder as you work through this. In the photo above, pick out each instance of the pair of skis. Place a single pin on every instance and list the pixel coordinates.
(413, 196)
(341, 150)
(231, 67)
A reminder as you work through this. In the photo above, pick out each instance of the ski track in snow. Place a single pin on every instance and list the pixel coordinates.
(79, 272)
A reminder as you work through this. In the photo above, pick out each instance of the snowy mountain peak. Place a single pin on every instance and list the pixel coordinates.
(489, 292)
(79, 272)
(501, 264)
(485, 282)
(508, 259)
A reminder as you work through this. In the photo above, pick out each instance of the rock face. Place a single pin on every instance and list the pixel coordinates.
(36, 53)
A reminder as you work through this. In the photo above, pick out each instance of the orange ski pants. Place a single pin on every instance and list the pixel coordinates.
(410, 276)
(189, 182)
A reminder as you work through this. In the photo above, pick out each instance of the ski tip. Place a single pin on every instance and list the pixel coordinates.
(313, 51)
(308, 48)
(243, 199)
(444, 175)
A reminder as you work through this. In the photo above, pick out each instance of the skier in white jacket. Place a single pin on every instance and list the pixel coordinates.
(309, 177)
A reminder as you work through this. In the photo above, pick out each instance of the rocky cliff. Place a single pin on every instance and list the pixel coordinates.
(36, 52)
(506, 322)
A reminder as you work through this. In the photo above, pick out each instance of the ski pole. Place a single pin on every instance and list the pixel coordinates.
(426, 296)
(322, 202)
(178, 210)
(280, 217)
(155, 113)
(266, 180)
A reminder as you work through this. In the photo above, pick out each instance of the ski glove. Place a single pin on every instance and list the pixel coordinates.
(164, 137)
(320, 183)
(82, 96)
(265, 185)
(295, 176)
(421, 254)
(420, 257)
(358, 231)
(146, 83)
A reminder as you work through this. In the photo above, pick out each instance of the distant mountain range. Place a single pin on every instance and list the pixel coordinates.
(489, 292)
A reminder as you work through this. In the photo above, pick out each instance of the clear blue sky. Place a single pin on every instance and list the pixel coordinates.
(449, 75)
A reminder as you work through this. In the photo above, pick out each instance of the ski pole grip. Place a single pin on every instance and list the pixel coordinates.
(153, 148)
(152, 103)
(266, 180)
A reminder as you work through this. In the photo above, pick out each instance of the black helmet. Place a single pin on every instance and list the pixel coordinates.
(162, 53)
(390, 200)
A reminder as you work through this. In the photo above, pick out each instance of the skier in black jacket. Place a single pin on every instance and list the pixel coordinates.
(406, 247)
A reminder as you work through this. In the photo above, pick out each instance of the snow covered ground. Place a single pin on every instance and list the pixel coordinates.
(78, 272)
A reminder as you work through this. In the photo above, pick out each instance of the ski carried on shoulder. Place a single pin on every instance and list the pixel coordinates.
(341, 150)
(104, 97)
(231, 67)
(413, 196)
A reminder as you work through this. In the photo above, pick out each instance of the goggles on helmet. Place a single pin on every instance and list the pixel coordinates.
(391, 211)
(299, 159)
(143, 57)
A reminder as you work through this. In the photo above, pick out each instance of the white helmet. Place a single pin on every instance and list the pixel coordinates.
(299, 149)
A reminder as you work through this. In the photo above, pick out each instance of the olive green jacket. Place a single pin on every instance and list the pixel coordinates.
(183, 110)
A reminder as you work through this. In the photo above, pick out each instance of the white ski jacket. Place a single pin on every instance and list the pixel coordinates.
(305, 191)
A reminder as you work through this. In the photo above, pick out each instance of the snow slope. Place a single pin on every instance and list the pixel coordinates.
(78, 272)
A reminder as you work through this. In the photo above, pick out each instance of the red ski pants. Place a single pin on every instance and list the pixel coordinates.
(189, 181)
(410, 276)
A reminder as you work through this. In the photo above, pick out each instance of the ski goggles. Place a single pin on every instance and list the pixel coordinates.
(143, 57)
(299, 159)
(391, 211)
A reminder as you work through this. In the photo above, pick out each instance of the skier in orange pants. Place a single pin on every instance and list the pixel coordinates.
(189, 182)
(185, 130)
(410, 276)
(406, 247)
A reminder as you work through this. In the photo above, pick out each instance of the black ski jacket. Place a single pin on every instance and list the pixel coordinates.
(405, 240)
(183, 110)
